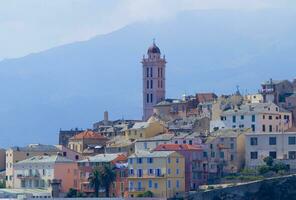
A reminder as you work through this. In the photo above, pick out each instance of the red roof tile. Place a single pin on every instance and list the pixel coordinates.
(88, 134)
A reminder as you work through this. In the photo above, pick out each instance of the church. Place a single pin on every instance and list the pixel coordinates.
(153, 80)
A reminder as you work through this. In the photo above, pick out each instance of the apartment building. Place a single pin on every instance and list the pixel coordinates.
(161, 172)
(44, 171)
(16, 154)
(259, 117)
(280, 146)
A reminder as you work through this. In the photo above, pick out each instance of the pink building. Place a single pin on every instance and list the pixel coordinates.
(153, 80)
(42, 171)
(193, 162)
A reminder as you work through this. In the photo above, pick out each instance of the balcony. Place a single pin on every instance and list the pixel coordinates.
(30, 176)
(136, 189)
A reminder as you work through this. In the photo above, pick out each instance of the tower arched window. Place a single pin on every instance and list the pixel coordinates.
(147, 72)
(147, 98)
(151, 84)
(161, 72)
(158, 73)
(161, 84)
(151, 72)
(158, 85)
(151, 98)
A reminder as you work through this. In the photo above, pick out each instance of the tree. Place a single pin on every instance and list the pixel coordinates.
(72, 193)
(148, 194)
(95, 181)
(108, 176)
(268, 160)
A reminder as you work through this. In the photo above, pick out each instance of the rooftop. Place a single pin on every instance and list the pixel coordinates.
(102, 158)
(36, 148)
(176, 147)
(165, 136)
(154, 154)
(88, 134)
(45, 159)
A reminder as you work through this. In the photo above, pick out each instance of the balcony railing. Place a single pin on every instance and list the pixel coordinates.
(137, 189)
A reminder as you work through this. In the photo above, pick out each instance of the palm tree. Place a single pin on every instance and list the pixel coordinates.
(95, 181)
(108, 176)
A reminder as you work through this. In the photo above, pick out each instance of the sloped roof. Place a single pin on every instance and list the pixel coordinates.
(176, 147)
(37, 148)
(154, 154)
(101, 158)
(88, 134)
(46, 159)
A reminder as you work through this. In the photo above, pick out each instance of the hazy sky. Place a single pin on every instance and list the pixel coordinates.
(28, 26)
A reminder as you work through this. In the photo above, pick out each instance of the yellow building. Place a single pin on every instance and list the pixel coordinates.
(142, 130)
(161, 172)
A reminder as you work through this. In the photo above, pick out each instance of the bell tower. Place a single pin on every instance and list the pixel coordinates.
(153, 80)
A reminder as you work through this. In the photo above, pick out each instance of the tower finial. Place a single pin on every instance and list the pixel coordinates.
(154, 41)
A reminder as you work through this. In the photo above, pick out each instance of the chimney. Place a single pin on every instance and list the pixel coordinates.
(106, 117)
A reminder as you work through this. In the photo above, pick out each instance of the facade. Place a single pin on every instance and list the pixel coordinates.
(254, 98)
(120, 144)
(118, 162)
(161, 172)
(153, 80)
(43, 171)
(187, 138)
(224, 153)
(65, 135)
(142, 130)
(193, 159)
(148, 144)
(2, 159)
(280, 146)
(17, 154)
(259, 117)
(88, 142)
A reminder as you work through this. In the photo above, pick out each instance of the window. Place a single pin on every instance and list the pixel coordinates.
(158, 172)
(147, 84)
(139, 172)
(156, 185)
(177, 171)
(254, 155)
(177, 183)
(253, 141)
(149, 160)
(169, 170)
(177, 160)
(221, 154)
(151, 72)
(147, 98)
(292, 140)
(263, 128)
(242, 117)
(131, 185)
(272, 154)
(151, 84)
(205, 154)
(145, 145)
(190, 142)
(231, 157)
(169, 160)
(151, 98)
(263, 116)
(253, 127)
(139, 185)
(231, 146)
(131, 172)
(158, 74)
(253, 118)
(213, 154)
(147, 72)
(233, 119)
(169, 184)
(270, 117)
(292, 155)
(150, 184)
(272, 140)
(139, 160)
(130, 161)
(150, 171)
(270, 128)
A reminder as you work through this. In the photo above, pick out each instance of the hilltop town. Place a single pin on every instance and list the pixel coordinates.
(180, 148)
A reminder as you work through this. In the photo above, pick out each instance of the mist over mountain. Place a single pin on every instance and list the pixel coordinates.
(72, 85)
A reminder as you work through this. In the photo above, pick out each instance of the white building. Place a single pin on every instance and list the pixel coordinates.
(259, 117)
(153, 142)
(280, 146)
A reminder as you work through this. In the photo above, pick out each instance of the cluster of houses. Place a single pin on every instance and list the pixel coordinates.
(186, 143)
